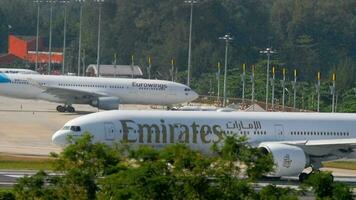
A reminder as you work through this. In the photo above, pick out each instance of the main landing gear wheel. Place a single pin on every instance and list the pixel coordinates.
(70, 109)
(61, 109)
(303, 177)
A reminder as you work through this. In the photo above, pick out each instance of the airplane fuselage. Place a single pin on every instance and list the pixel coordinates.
(129, 91)
(202, 129)
(295, 140)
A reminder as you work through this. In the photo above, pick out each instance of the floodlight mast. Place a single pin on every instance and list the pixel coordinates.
(191, 2)
(37, 32)
(268, 52)
(99, 38)
(283, 81)
(227, 39)
(80, 35)
(64, 35)
(50, 36)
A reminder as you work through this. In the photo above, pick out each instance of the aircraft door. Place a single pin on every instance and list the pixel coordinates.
(110, 131)
(279, 131)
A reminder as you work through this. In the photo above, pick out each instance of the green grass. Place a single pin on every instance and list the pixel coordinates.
(6, 190)
(45, 163)
(341, 164)
(25, 162)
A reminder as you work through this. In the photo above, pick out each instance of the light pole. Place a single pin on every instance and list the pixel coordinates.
(227, 39)
(172, 69)
(132, 66)
(211, 90)
(332, 88)
(191, 2)
(115, 60)
(243, 79)
(253, 87)
(283, 87)
(37, 32)
(218, 78)
(80, 35)
(83, 62)
(64, 35)
(294, 84)
(272, 83)
(268, 52)
(99, 31)
(50, 37)
(317, 86)
(149, 67)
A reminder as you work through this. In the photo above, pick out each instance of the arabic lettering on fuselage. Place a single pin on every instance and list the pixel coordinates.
(240, 125)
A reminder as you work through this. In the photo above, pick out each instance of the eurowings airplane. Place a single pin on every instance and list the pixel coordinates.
(17, 71)
(296, 140)
(103, 93)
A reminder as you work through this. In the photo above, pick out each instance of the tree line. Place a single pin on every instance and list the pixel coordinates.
(308, 35)
(96, 171)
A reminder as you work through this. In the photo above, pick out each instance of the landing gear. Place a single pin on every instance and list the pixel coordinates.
(70, 109)
(63, 109)
(303, 176)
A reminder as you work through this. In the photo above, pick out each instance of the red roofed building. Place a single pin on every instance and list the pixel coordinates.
(24, 48)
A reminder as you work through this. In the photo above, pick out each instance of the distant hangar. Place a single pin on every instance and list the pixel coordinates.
(122, 71)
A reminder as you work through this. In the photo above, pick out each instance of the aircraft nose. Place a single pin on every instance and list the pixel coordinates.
(194, 95)
(59, 138)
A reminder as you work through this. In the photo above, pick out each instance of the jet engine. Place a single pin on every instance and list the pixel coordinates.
(289, 160)
(106, 103)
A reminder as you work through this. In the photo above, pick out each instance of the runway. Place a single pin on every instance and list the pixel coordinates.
(27, 126)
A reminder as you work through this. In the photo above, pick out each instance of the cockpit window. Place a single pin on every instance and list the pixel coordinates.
(187, 89)
(75, 128)
(66, 128)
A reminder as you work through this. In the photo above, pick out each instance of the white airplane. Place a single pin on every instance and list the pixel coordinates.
(103, 93)
(296, 140)
(17, 71)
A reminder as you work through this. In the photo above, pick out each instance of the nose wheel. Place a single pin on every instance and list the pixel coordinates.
(63, 109)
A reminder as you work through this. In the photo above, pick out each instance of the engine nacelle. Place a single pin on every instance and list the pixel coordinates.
(106, 103)
(289, 160)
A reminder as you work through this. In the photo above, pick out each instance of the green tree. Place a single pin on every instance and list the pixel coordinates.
(87, 170)
(82, 163)
(7, 195)
(272, 192)
(325, 188)
(342, 192)
(34, 187)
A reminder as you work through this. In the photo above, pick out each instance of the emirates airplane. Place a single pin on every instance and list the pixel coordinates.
(103, 93)
(296, 140)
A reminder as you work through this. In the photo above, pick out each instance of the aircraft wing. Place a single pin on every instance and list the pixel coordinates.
(336, 147)
(64, 93)
(327, 142)
(75, 95)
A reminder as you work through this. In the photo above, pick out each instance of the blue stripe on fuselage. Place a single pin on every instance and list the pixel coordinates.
(4, 78)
